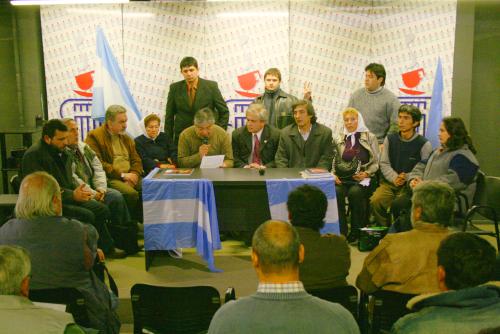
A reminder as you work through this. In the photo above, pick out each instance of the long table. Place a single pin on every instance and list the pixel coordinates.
(242, 201)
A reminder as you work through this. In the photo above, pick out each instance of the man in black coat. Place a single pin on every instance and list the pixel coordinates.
(255, 144)
(188, 96)
(49, 155)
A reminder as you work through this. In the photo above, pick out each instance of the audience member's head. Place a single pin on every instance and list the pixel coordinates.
(276, 251)
(55, 134)
(39, 196)
(433, 202)
(465, 260)
(303, 110)
(257, 117)
(152, 125)
(15, 269)
(272, 79)
(307, 207)
(203, 122)
(453, 134)
(116, 119)
(413, 112)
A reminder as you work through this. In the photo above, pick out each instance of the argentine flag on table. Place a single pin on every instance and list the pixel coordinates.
(180, 214)
(436, 109)
(278, 190)
(111, 88)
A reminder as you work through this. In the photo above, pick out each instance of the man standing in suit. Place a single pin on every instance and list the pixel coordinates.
(306, 143)
(255, 145)
(190, 95)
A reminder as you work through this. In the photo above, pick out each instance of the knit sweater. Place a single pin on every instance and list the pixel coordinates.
(379, 110)
(296, 312)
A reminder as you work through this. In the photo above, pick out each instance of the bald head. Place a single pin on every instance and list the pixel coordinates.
(39, 196)
(276, 244)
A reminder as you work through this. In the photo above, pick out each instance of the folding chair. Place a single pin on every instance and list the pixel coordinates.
(346, 296)
(486, 206)
(173, 309)
(71, 297)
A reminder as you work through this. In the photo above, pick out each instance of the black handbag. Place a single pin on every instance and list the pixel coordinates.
(345, 170)
(101, 271)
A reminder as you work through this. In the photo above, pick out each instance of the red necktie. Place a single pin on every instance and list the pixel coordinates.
(256, 149)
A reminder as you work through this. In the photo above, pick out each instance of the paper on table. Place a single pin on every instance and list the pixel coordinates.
(212, 161)
(365, 182)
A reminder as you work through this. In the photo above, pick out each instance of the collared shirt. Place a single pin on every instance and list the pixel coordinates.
(289, 287)
(259, 134)
(306, 134)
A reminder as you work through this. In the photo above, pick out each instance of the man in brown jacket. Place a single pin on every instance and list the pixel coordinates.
(119, 158)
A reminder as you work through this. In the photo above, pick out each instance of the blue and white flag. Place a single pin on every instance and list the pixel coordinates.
(111, 88)
(278, 190)
(180, 214)
(436, 109)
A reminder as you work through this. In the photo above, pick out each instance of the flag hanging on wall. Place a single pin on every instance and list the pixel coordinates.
(436, 109)
(111, 88)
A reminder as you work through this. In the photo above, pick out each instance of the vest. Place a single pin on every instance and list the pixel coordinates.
(404, 155)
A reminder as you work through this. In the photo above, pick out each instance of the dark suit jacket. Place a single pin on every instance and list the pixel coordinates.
(45, 158)
(317, 151)
(179, 115)
(242, 146)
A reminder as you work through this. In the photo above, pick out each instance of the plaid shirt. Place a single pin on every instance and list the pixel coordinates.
(289, 287)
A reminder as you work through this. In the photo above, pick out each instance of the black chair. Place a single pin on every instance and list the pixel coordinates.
(71, 297)
(229, 295)
(173, 309)
(15, 183)
(388, 307)
(486, 207)
(346, 296)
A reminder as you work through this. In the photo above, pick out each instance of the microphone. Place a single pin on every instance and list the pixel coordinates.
(204, 141)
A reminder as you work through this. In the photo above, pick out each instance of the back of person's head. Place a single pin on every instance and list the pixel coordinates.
(49, 128)
(274, 72)
(413, 111)
(436, 202)
(309, 107)
(114, 110)
(39, 196)
(467, 260)
(307, 207)
(15, 266)
(378, 70)
(458, 134)
(188, 62)
(276, 243)
(204, 116)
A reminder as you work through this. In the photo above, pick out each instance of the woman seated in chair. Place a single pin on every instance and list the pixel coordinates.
(354, 167)
(62, 250)
(155, 147)
(453, 163)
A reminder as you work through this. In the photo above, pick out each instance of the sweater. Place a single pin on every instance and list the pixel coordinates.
(296, 312)
(379, 110)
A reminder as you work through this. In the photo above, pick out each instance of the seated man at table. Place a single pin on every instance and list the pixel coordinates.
(469, 301)
(305, 144)
(281, 305)
(255, 144)
(204, 138)
(328, 256)
(406, 262)
(119, 158)
(17, 313)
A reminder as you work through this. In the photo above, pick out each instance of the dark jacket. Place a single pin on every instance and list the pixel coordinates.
(242, 146)
(99, 141)
(155, 150)
(282, 109)
(317, 151)
(179, 115)
(43, 157)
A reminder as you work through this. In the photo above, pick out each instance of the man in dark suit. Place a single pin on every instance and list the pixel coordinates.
(190, 95)
(255, 144)
(306, 143)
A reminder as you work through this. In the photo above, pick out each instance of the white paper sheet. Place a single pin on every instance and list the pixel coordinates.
(212, 161)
